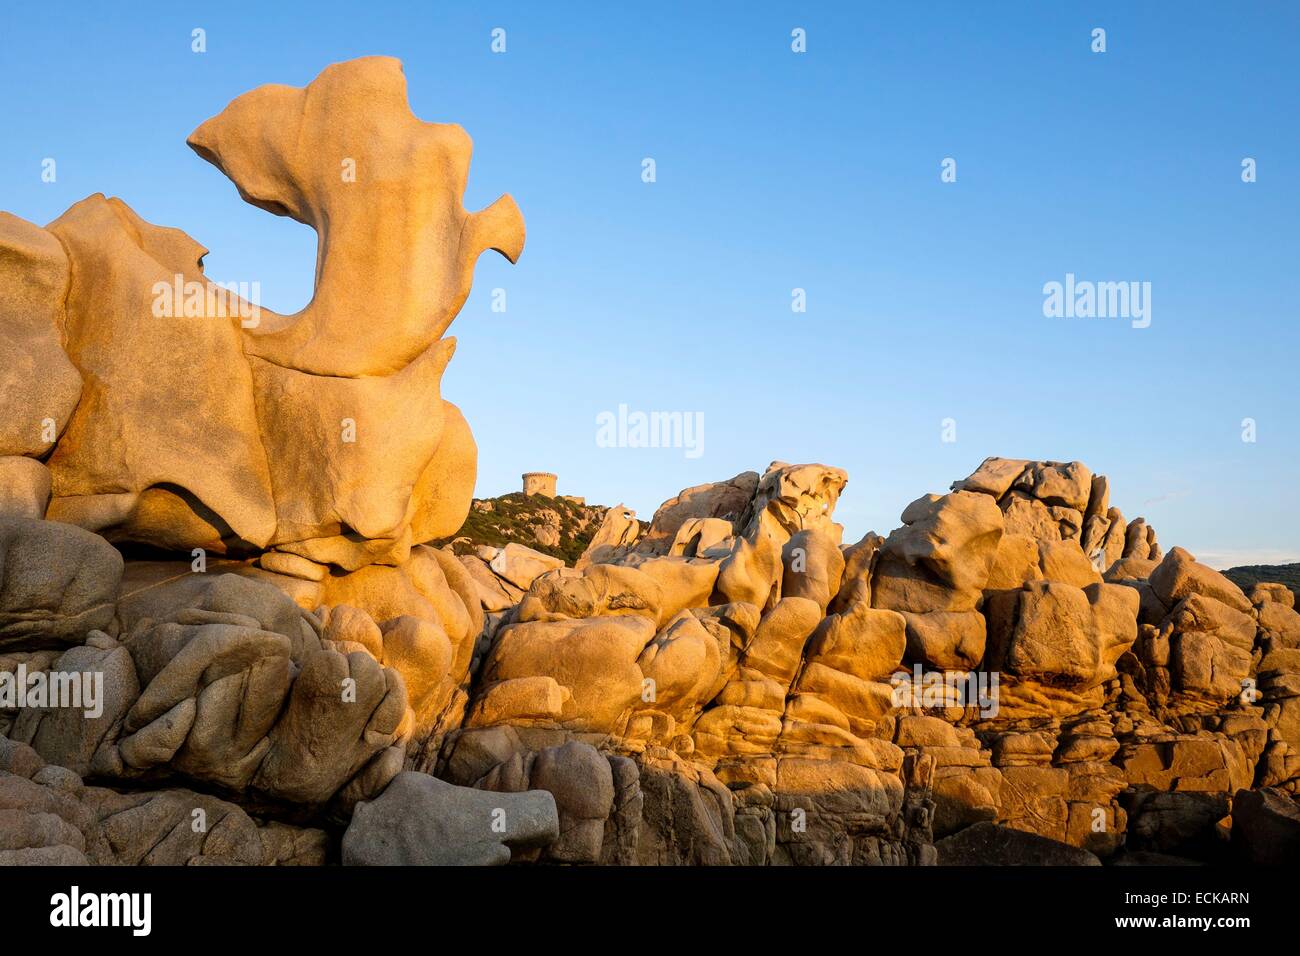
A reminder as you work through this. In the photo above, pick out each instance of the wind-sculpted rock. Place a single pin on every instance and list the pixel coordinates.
(725, 500)
(1059, 633)
(941, 558)
(1062, 501)
(582, 783)
(795, 497)
(208, 693)
(595, 660)
(1180, 575)
(327, 438)
(794, 664)
(24, 487)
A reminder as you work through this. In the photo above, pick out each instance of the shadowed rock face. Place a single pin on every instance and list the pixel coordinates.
(188, 417)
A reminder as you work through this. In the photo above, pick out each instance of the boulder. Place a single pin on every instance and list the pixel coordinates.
(726, 500)
(1180, 574)
(988, 844)
(57, 583)
(24, 487)
(420, 820)
(994, 476)
(521, 565)
(1056, 633)
(1265, 827)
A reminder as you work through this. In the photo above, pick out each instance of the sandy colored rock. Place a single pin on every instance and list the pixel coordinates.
(39, 387)
(866, 642)
(594, 659)
(522, 565)
(751, 574)
(268, 141)
(24, 487)
(726, 500)
(1179, 575)
(1271, 592)
(1030, 517)
(1015, 563)
(941, 558)
(798, 496)
(946, 640)
(1065, 561)
(855, 583)
(600, 590)
(442, 494)
(1062, 633)
(1068, 485)
(327, 437)
(813, 567)
(682, 582)
(994, 476)
(698, 535)
(618, 531)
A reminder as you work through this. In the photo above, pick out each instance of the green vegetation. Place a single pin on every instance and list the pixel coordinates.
(1248, 575)
(516, 517)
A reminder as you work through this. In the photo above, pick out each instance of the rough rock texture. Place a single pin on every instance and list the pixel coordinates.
(420, 820)
(48, 815)
(56, 582)
(315, 435)
(1015, 674)
(758, 693)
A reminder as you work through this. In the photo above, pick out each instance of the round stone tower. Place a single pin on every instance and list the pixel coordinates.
(539, 483)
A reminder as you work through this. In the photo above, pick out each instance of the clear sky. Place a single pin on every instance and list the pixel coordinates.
(777, 170)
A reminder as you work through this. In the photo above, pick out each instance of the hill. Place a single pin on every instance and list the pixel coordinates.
(1251, 574)
(561, 527)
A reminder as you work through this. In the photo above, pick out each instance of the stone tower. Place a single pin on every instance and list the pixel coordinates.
(539, 483)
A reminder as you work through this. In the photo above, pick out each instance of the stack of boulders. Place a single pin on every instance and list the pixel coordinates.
(747, 643)
(746, 690)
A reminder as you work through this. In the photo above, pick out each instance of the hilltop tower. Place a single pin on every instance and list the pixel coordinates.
(539, 483)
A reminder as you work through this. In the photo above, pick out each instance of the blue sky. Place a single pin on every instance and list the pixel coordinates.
(778, 170)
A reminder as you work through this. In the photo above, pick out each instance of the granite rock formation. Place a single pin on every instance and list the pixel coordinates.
(294, 673)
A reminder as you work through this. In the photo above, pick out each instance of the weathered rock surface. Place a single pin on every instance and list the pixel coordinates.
(56, 582)
(1017, 671)
(313, 434)
(420, 820)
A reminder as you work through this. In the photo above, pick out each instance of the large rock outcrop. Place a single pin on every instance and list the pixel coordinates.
(318, 436)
